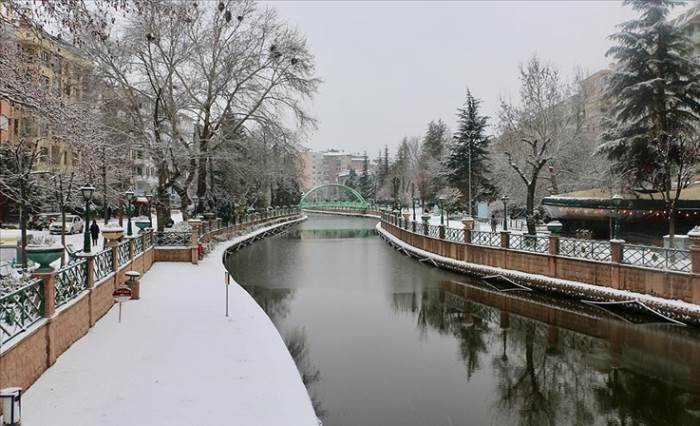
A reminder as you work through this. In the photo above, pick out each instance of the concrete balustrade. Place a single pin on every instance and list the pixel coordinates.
(669, 284)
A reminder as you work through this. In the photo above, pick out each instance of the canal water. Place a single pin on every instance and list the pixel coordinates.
(381, 339)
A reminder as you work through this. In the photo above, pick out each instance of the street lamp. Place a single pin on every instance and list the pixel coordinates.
(129, 196)
(505, 212)
(413, 200)
(442, 209)
(616, 202)
(149, 197)
(87, 192)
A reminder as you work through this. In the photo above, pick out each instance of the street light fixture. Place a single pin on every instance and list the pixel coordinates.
(129, 196)
(442, 209)
(505, 212)
(413, 200)
(617, 202)
(149, 197)
(87, 192)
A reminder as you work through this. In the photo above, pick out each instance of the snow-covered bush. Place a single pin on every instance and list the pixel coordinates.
(41, 241)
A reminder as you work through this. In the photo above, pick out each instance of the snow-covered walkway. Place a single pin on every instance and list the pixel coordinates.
(175, 359)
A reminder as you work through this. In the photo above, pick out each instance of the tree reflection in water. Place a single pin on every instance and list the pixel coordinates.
(297, 343)
(550, 375)
(275, 303)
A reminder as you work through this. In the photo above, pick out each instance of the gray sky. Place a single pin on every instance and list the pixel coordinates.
(391, 67)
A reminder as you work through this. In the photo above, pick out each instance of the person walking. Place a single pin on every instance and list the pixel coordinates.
(94, 232)
(494, 222)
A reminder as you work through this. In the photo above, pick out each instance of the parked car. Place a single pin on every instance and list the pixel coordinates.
(42, 221)
(74, 225)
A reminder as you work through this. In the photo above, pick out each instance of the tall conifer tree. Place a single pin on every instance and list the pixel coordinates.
(654, 92)
(467, 160)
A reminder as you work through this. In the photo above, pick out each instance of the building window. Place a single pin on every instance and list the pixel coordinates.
(55, 155)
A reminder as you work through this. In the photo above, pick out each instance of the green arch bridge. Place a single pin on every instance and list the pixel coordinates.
(318, 197)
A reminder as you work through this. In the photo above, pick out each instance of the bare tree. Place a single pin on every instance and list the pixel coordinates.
(536, 131)
(247, 66)
(47, 115)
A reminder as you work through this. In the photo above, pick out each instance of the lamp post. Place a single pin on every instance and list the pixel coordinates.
(616, 202)
(149, 197)
(413, 199)
(442, 209)
(505, 212)
(129, 196)
(87, 192)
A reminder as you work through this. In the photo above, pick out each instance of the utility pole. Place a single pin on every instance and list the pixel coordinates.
(469, 178)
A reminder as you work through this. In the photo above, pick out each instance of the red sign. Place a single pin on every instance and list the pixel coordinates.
(122, 294)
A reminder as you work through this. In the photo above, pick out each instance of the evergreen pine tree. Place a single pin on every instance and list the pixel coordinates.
(435, 140)
(386, 160)
(654, 93)
(352, 180)
(380, 176)
(467, 160)
(364, 180)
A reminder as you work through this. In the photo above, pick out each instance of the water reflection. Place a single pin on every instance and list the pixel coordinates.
(384, 340)
(275, 302)
(331, 233)
(297, 344)
(548, 374)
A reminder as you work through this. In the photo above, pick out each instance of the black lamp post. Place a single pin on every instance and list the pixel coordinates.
(149, 197)
(413, 199)
(129, 197)
(616, 202)
(442, 209)
(87, 192)
(505, 212)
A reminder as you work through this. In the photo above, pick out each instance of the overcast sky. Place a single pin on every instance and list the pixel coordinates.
(391, 67)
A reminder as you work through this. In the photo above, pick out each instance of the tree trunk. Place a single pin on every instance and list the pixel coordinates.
(162, 208)
(672, 223)
(202, 175)
(63, 230)
(62, 210)
(185, 201)
(105, 204)
(531, 226)
(23, 227)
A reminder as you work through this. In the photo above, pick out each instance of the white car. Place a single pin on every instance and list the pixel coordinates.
(74, 225)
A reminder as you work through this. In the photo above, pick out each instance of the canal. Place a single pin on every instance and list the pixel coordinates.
(381, 339)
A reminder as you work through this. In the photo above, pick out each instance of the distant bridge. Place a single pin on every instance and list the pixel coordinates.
(333, 195)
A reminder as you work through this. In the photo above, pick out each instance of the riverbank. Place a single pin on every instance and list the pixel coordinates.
(676, 309)
(176, 359)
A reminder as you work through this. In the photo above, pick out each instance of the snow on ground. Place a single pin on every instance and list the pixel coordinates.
(75, 240)
(176, 360)
(483, 225)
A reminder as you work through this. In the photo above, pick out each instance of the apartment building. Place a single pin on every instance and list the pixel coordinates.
(57, 69)
(330, 166)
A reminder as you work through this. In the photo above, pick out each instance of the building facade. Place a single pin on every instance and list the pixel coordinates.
(331, 166)
(57, 71)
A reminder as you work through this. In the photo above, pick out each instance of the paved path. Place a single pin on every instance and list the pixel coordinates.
(175, 360)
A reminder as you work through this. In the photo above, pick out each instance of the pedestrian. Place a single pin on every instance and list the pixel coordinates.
(94, 232)
(494, 222)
